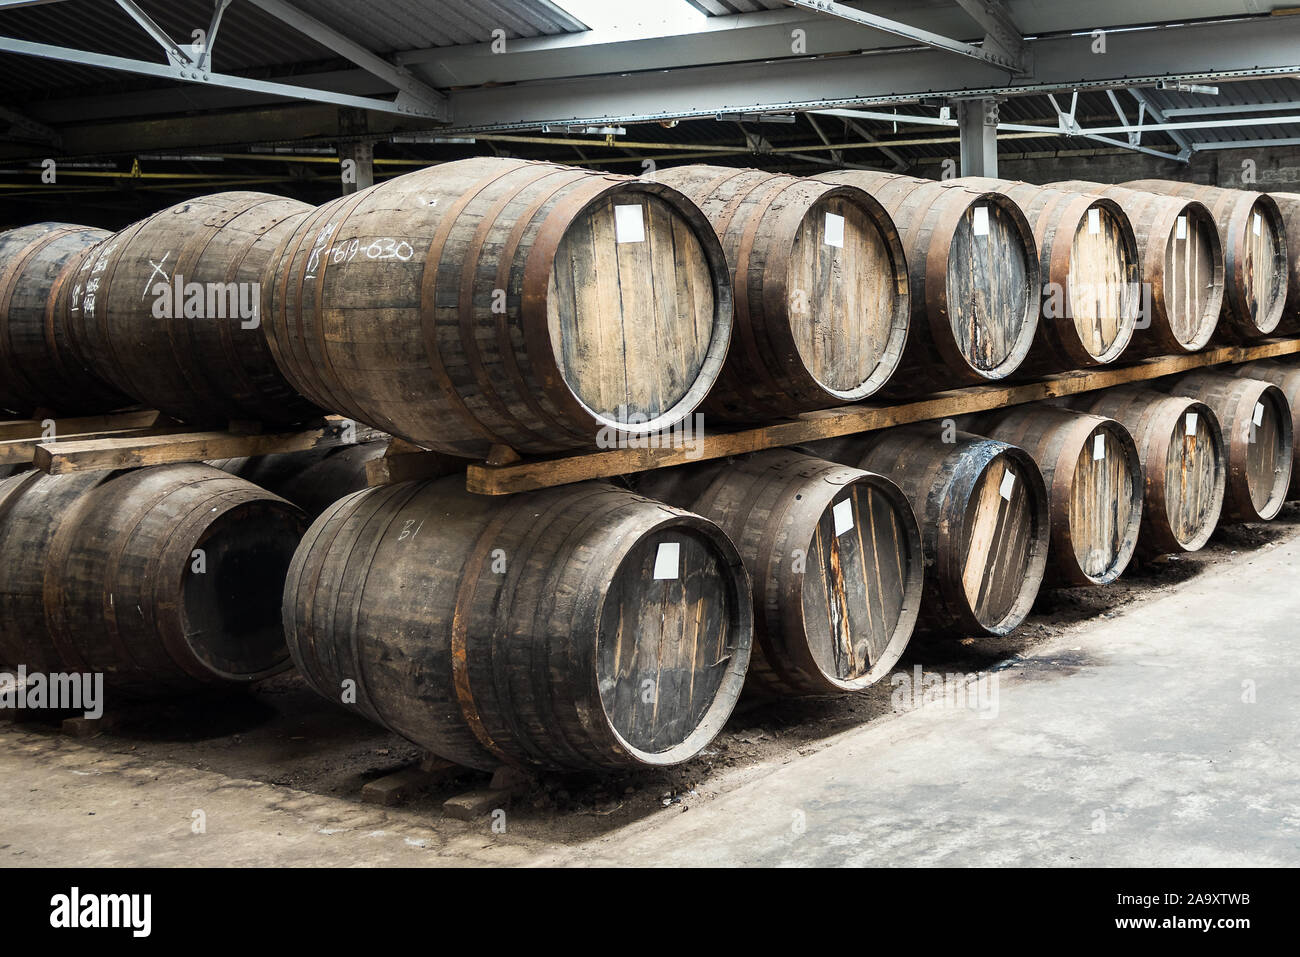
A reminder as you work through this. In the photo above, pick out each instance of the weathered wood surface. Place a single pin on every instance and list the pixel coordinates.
(864, 417)
(23, 451)
(313, 480)
(1182, 267)
(166, 580)
(36, 428)
(1287, 378)
(821, 290)
(1254, 250)
(199, 355)
(1184, 464)
(1094, 479)
(974, 276)
(834, 554)
(1289, 205)
(579, 628)
(983, 512)
(37, 367)
(1089, 264)
(162, 449)
(1256, 421)
(499, 301)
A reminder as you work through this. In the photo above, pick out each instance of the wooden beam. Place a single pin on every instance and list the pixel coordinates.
(101, 454)
(35, 429)
(23, 451)
(526, 476)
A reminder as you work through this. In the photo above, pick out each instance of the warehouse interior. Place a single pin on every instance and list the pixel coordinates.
(1143, 721)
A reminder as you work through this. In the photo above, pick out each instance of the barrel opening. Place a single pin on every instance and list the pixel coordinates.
(860, 587)
(232, 607)
(1265, 265)
(1193, 277)
(1105, 503)
(1102, 298)
(1002, 544)
(991, 299)
(1269, 453)
(672, 647)
(638, 307)
(1195, 477)
(847, 297)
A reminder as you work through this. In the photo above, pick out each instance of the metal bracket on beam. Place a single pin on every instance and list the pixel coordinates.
(204, 59)
(1001, 35)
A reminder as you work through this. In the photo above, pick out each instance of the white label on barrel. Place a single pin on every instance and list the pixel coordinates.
(1258, 224)
(981, 221)
(1182, 227)
(1094, 221)
(1099, 447)
(629, 224)
(1190, 428)
(834, 230)
(1008, 483)
(843, 516)
(666, 559)
(1259, 413)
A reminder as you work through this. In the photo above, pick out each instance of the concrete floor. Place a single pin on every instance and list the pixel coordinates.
(1166, 735)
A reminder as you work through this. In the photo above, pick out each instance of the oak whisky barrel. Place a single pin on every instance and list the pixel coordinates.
(1289, 205)
(1182, 267)
(1286, 377)
(1183, 459)
(581, 627)
(983, 512)
(820, 284)
(499, 301)
(1094, 480)
(37, 368)
(1089, 262)
(834, 554)
(169, 310)
(314, 479)
(974, 279)
(1254, 250)
(1257, 433)
(167, 580)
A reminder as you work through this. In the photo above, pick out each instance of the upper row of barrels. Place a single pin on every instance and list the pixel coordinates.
(495, 301)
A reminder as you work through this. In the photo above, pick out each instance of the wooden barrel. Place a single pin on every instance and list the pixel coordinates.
(581, 627)
(313, 480)
(1256, 421)
(1089, 262)
(1287, 378)
(1254, 252)
(37, 368)
(1182, 267)
(973, 270)
(1184, 464)
(1289, 205)
(820, 284)
(168, 580)
(169, 310)
(1093, 474)
(835, 557)
(500, 301)
(983, 512)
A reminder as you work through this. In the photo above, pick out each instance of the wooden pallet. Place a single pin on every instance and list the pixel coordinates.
(135, 439)
(505, 473)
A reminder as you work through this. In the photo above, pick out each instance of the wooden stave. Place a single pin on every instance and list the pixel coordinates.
(1055, 438)
(770, 504)
(931, 360)
(40, 372)
(939, 479)
(536, 410)
(570, 729)
(1287, 378)
(205, 372)
(1233, 400)
(1289, 205)
(107, 594)
(312, 480)
(1231, 209)
(765, 375)
(1154, 217)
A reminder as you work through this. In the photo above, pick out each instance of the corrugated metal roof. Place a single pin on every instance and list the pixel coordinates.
(722, 8)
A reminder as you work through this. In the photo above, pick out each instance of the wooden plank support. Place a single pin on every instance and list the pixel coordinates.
(23, 451)
(35, 428)
(401, 785)
(485, 479)
(404, 462)
(101, 454)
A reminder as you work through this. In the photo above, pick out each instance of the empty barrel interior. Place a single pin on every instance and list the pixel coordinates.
(1194, 478)
(1105, 506)
(1192, 276)
(988, 285)
(665, 640)
(1103, 271)
(998, 539)
(630, 307)
(860, 582)
(842, 294)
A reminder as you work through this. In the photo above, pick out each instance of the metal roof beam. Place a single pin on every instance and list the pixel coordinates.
(175, 54)
(1233, 108)
(1157, 114)
(1001, 35)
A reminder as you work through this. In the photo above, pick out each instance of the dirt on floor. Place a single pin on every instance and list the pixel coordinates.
(283, 734)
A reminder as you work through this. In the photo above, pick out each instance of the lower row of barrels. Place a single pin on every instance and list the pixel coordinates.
(610, 625)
